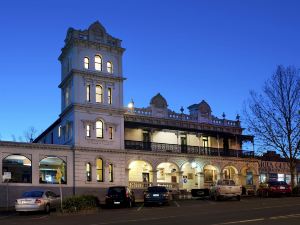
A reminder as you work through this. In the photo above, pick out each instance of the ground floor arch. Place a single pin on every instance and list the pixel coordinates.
(168, 175)
(231, 172)
(140, 174)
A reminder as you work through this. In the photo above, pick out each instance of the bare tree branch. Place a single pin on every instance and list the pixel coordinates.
(273, 116)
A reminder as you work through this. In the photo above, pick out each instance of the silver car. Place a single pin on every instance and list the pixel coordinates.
(42, 200)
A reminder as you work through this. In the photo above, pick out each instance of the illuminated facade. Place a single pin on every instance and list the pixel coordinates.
(97, 142)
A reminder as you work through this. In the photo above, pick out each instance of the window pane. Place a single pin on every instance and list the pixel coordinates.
(86, 62)
(88, 93)
(88, 172)
(98, 62)
(109, 93)
(99, 166)
(109, 67)
(111, 176)
(48, 169)
(20, 168)
(98, 93)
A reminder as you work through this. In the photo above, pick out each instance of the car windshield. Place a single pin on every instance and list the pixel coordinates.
(33, 194)
(116, 190)
(226, 182)
(157, 189)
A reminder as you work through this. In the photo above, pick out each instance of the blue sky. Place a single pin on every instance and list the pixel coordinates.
(187, 50)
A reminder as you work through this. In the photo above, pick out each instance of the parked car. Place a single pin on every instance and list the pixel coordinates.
(120, 196)
(40, 200)
(225, 189)
(156, 195)
(272, 188)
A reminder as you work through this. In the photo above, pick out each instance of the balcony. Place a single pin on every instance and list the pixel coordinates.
(186, 149)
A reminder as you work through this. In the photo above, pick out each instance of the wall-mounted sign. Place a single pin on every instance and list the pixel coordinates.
(274, 167)
(6, 176)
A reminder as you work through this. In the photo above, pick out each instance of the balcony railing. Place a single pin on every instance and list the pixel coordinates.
(187, 149)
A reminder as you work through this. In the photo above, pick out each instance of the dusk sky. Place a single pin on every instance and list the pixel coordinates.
(188, 50)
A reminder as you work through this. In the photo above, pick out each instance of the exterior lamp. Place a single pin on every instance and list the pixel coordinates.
(194, 165)
(131, 105)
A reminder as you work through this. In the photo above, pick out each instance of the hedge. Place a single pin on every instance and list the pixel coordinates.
(80, 202)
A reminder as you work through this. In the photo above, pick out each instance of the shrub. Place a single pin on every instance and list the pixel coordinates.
(296, 190)
(80, 202)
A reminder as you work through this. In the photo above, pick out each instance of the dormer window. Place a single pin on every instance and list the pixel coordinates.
(86, 63)
(109, 67)
(98, 63)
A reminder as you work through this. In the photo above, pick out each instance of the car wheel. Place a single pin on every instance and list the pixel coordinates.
(47, 209)
(238, 198)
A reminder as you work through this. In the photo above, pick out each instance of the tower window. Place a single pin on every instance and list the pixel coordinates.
(109, 67)
(110, 133)
(99, 168)
(99, 94)
(88, 93)
(86, 63)
(99, 129)
(109, 95)
(88, 130)
(98, 63)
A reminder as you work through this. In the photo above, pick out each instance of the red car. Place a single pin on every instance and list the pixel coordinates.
(272, 188)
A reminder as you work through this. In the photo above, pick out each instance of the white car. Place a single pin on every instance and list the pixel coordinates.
(37, 201)
(225, 189)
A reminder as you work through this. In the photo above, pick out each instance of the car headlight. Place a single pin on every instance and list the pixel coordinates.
(147, 195)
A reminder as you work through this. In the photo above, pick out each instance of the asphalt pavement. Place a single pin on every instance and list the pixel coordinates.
(247, 211)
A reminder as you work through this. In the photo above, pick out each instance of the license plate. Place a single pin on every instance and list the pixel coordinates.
(155, 195)
(282, 187)
(117, 203)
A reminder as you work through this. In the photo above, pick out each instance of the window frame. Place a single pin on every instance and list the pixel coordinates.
(109, 96)
(109, 68)
(111, 172)
(99, 94)
(88, 171)
(88, 93)
(101, 170)
(86, 64)
(100, 128)
(98, 63)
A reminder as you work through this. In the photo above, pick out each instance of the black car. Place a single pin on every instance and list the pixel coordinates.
(119, 196)
(157, 195)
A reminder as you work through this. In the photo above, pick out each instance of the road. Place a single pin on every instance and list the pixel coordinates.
(285, 211)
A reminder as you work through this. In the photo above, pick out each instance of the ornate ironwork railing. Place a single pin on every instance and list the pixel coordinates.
(186, 117)
(187, 149)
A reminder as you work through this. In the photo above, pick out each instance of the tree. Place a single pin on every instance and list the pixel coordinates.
(30, 134)
(273, 116)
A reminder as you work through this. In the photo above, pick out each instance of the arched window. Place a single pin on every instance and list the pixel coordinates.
(86, 63)
(98, 62)
(88, 169)
(99, 129)
(49, 167)
(99, 93)
(99, 169)
(109, 67)
(19, 167)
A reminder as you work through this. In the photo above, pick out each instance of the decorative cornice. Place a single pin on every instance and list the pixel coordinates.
(88, 44)
(34, 145)
(181, 124)
(91, 75)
